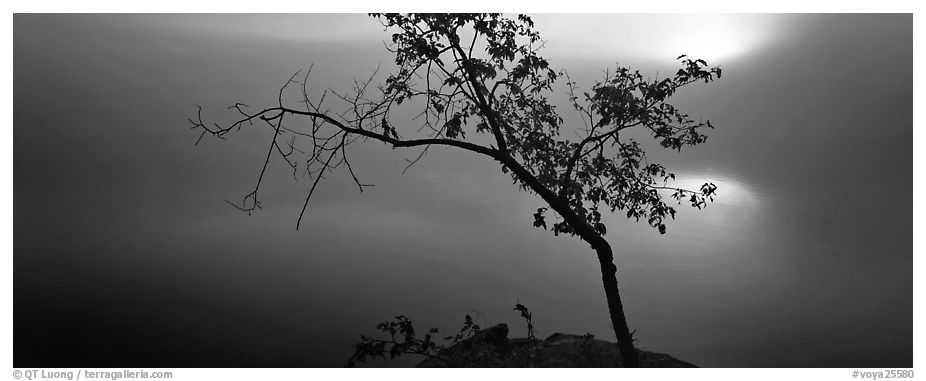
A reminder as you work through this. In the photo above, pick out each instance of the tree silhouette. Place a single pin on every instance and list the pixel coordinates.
(481, 86)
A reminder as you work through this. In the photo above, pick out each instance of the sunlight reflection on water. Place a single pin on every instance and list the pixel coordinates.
(733, 215)
(731, 189)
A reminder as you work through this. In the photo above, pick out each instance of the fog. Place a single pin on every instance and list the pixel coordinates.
(126, 254)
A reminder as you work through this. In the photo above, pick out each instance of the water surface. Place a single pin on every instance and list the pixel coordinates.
(125, 253)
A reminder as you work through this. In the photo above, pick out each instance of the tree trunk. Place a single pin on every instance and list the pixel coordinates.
(629, 354)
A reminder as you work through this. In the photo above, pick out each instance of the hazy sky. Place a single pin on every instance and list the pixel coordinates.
(126, 254)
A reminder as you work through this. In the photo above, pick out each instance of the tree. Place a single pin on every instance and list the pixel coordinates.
(481, 86)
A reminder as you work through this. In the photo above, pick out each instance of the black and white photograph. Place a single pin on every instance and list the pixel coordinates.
(461, 190)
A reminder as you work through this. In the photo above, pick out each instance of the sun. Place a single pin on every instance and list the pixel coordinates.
(711, 37)
(717, 38)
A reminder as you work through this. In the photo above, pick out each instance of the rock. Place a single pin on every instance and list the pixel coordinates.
(492, 348)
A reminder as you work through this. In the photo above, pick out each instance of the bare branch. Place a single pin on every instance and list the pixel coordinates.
(314, 185)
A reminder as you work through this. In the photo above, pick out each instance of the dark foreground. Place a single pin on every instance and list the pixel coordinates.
(492, 348)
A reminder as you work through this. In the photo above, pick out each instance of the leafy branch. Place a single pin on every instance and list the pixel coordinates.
(403, 340)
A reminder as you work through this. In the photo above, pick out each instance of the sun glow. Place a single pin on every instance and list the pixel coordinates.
(717, 38)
